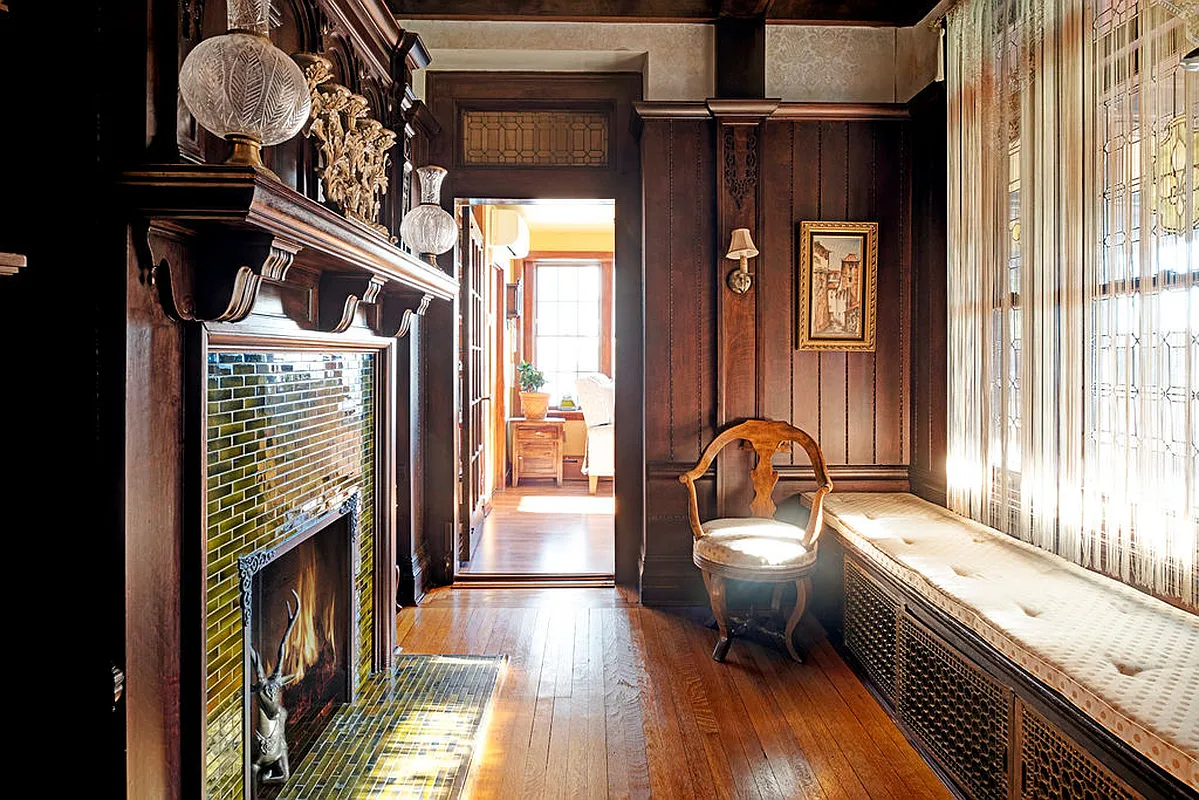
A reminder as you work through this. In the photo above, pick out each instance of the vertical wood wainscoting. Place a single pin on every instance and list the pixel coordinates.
(802, 163)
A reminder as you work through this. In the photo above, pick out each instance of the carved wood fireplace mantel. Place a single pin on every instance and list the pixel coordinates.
(246, 227)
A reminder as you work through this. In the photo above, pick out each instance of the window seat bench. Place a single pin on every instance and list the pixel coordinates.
(961, 629)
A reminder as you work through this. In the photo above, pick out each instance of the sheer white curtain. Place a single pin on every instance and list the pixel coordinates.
(1142, 321)
(1073, 410)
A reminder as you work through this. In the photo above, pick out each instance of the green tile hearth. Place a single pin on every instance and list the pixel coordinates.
(410, 733)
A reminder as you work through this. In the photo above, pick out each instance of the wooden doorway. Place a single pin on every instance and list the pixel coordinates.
(475, 377)
(548, 513)
(603, 104)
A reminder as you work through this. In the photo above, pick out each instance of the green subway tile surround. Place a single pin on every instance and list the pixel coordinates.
(290, 436)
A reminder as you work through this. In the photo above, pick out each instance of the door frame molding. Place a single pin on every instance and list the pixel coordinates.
(448, 94)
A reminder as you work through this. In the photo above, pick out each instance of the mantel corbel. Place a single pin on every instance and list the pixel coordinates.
(218, 281)
(397, 311)
(338, 298)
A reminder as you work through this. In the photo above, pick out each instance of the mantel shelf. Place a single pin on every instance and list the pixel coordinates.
(10, 263)
(247, 227)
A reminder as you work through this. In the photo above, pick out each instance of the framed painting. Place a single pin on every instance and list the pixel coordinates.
(838, 285)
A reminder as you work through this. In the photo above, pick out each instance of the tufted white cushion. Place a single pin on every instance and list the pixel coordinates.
(1127, 660)
(752, 543)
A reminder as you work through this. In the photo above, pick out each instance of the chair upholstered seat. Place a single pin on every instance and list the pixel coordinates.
(752, 543)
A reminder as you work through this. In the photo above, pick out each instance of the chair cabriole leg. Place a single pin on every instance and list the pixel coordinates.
(715, 585)
(801, 601)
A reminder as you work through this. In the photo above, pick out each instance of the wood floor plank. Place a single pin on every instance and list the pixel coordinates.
(526, 666)
(711, 767)
(751, 771)
(604, 698)
(664, 743)
(783, 752)
(879, 778)
(624, 673)
(828, 763)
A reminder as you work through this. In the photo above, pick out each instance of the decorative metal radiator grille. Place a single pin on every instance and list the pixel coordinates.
(871, 627)
(959, 713)
(1052, 766)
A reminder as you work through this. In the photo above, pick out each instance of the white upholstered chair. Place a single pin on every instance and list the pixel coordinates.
(758, 548)
(597, 397)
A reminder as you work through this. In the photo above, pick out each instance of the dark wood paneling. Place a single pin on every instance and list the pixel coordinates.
(856, 404)
(862, 12)
(680, 349)
(853, 170)
(680, 288)
(929, 295)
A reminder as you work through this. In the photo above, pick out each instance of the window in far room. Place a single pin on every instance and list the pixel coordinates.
(571, 331)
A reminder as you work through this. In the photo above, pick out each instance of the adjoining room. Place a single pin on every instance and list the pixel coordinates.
(544, 506)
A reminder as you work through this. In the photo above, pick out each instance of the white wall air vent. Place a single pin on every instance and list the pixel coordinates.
(511, 232)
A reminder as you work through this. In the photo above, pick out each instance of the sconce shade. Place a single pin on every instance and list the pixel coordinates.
(742, 245)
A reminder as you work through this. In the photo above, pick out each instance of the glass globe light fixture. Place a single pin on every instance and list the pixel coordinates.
(429, 229)
(242, 88)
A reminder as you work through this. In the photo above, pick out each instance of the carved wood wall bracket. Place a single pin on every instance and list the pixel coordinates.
(397, 312)
(740, 180)
(221, 279)
(338, 298)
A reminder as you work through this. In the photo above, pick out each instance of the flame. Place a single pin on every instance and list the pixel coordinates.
(330, 623)
(304, 646)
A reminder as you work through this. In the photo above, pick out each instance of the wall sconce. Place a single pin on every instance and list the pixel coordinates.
(741, 248)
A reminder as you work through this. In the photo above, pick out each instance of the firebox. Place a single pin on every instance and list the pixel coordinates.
(299, 644)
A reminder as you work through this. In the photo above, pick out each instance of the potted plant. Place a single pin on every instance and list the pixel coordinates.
(533, 403)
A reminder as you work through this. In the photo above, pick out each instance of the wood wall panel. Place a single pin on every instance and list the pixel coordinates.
(853, 402)
(929, 300)
(680, 344)
(680, 289)
(857, 404)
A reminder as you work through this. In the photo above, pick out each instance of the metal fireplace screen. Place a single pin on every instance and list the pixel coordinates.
(299, 646)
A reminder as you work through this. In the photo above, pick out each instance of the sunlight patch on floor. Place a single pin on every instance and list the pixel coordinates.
(566, 504)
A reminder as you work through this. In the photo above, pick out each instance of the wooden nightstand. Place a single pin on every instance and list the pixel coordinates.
(537, 448)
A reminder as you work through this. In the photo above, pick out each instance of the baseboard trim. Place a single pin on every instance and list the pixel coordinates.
(582, 580)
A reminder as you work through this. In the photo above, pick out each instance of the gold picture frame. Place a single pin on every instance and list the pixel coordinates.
(837, 306)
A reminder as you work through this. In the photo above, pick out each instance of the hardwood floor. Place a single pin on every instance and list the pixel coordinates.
(605, 698)
(539, 529)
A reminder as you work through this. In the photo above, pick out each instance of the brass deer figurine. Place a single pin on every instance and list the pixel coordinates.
(270, 760)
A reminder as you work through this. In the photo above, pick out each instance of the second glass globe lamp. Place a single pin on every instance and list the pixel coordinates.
(428, 228)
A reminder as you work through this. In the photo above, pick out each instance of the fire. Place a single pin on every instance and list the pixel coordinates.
(305, 644)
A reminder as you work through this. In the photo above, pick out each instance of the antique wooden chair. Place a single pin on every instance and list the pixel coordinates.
(758, 548)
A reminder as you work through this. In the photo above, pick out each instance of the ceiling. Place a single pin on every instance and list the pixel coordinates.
(859, 12)
(567, 215)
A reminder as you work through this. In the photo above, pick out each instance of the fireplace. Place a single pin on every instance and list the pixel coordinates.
(299, 630)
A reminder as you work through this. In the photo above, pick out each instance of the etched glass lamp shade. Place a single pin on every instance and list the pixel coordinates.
(429, 229)
(242, 88)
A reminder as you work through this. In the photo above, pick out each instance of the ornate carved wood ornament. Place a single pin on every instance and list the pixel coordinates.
(353, 146)
(740, 181)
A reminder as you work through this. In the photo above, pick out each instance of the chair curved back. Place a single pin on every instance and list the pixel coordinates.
(765, 436)
(596, 393)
